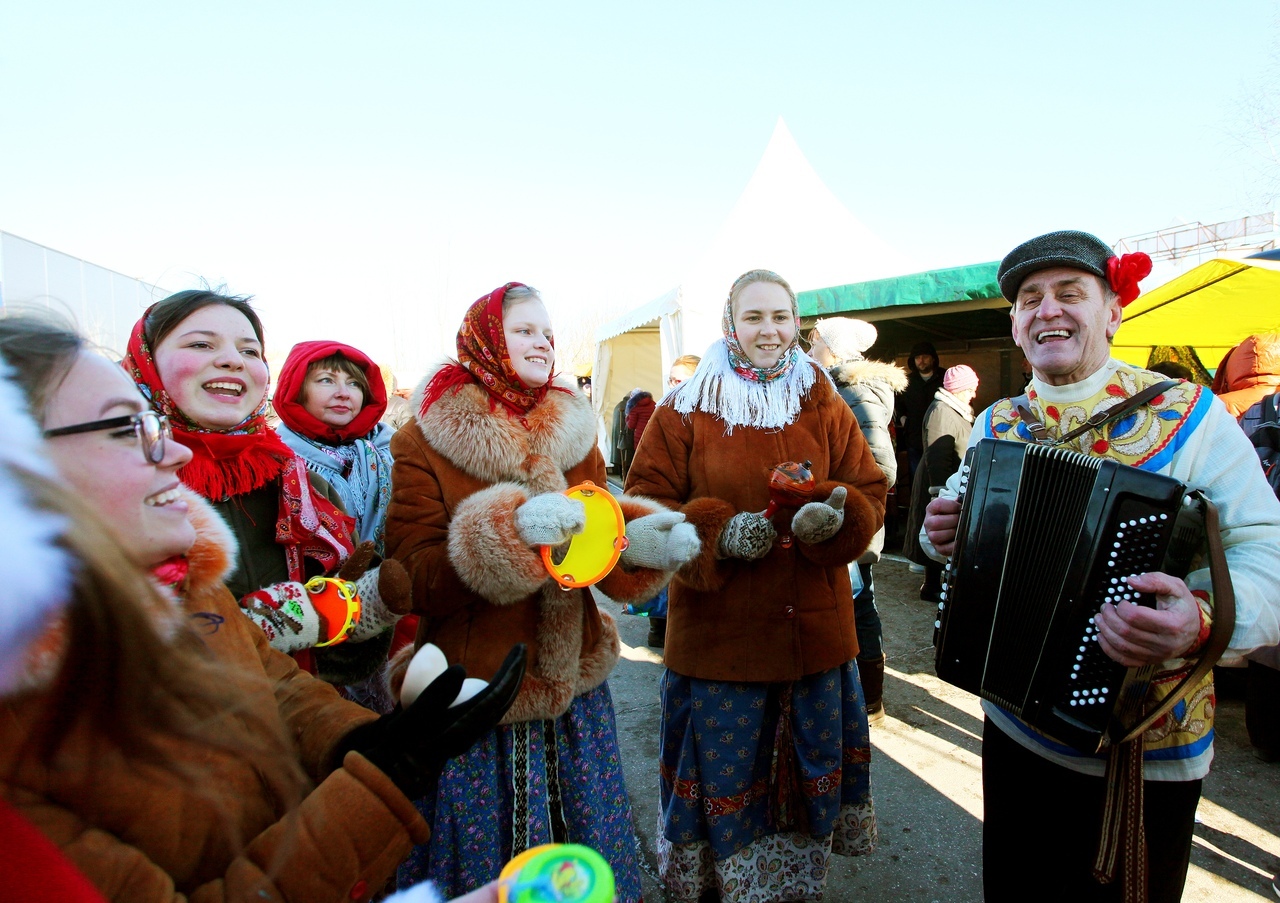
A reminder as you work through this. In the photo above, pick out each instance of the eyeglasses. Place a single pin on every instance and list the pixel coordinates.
(152, 430)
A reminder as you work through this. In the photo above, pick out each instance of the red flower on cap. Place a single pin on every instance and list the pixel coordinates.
(1125, 272)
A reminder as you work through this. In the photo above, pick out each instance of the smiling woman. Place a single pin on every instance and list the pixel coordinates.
(198, 357)
(330, 398)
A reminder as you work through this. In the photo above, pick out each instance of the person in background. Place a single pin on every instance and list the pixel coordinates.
(868, 387)
(1174, 369)
(945, 433)
(479, 488)
(639, 409)
(1248, 373)
(198, 358)
(1044, 802)
(656, 609)
(157, 738)
(397, 413)
(624, 444)
(923, 382)
(764, 763)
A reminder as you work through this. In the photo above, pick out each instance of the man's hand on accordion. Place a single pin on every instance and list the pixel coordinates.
(1135, 635)
(941, 520)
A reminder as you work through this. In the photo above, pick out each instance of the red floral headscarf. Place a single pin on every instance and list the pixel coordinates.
(293, 375)
(247, 457)
(483, 358)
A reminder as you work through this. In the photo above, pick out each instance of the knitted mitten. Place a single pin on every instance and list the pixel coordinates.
(661, 541)
(819, 521)
(286, 615)
(747, 536)
(386, 596)
(550, 519)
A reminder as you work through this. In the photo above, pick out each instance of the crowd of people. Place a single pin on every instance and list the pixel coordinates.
(219, 597)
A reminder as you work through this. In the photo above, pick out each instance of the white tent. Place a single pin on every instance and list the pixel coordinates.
(786, 220)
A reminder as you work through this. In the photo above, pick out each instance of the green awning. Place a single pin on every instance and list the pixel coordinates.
(976, 282)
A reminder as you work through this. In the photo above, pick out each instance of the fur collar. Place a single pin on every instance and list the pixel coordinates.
(852, 373)
(494, 446)
(212, 558)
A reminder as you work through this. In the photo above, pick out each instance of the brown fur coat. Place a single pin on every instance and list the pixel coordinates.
(142, 834)
(790, 613)
(460, 473)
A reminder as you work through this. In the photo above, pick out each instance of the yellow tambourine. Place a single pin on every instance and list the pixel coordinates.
(593, 552)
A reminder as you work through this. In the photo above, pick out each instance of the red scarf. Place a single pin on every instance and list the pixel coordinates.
(483, 359)
(248, 457)
(293, 376)
(226, 463)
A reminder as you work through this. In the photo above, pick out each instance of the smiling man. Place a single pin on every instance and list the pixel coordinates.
(1043, 801)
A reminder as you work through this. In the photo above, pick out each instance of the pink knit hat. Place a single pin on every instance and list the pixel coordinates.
(959, 378)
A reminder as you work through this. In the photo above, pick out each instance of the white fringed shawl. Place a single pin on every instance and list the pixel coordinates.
(717, 389)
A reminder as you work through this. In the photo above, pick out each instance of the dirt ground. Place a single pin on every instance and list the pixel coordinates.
(926, 776)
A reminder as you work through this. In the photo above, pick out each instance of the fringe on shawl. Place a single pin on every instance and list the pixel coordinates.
(716, 389)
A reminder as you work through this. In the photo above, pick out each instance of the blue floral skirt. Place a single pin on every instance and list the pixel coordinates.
(527, 784)
(761, 783)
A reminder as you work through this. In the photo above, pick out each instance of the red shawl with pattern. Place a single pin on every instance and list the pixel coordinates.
(483, 359)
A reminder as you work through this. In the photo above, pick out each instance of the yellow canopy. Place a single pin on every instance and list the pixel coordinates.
(1212, 308)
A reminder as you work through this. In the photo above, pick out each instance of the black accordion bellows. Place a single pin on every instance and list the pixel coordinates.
(1046, 537)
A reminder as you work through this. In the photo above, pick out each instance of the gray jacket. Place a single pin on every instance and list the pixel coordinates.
(868, 388)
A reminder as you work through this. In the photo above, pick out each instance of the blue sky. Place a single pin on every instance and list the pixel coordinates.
(358, 166)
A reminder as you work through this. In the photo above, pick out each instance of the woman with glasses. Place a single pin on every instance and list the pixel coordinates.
(198, 357)
(153, 734)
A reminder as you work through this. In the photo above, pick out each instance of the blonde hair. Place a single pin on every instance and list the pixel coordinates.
(753, 276)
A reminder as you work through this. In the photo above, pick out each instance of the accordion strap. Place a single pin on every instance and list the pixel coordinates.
(1022, 404)
(1123, 836)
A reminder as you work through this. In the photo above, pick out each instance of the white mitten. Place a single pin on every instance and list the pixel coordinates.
(382, 590)
(819, 521)
(661, 541)
(747, 536)
(550, 519)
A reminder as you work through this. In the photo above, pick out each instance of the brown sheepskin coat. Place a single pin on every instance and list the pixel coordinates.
(790, 613)
(461, 471)
(141, 834)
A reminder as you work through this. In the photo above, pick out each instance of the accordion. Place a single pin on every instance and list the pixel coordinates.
(1046, 537)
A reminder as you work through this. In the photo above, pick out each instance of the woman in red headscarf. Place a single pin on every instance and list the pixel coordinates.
(198, 358)
(330, 398)
(479, 485)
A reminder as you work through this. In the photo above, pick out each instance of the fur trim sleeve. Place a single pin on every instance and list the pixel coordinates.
(624, 584)
(861, 522)
(706, 573)
(486, 549)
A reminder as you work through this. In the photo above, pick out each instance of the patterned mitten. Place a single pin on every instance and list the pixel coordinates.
(747, 536)
(386, 596)
(286, 615)
(550, 519)
(661, 541)
(819, 521)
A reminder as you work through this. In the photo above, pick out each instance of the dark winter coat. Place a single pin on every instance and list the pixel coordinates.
(947, 425)
(868, 388)
(639, 410)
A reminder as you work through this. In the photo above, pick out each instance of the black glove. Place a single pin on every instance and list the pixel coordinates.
(411, 745)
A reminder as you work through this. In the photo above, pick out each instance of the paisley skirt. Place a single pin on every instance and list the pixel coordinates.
(761, 783)
(527, 784)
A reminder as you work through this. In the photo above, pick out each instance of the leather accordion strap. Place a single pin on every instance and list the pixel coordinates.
(1022, 404)
(1122, 830)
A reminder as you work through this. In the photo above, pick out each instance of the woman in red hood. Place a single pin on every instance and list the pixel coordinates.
(330, 398)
